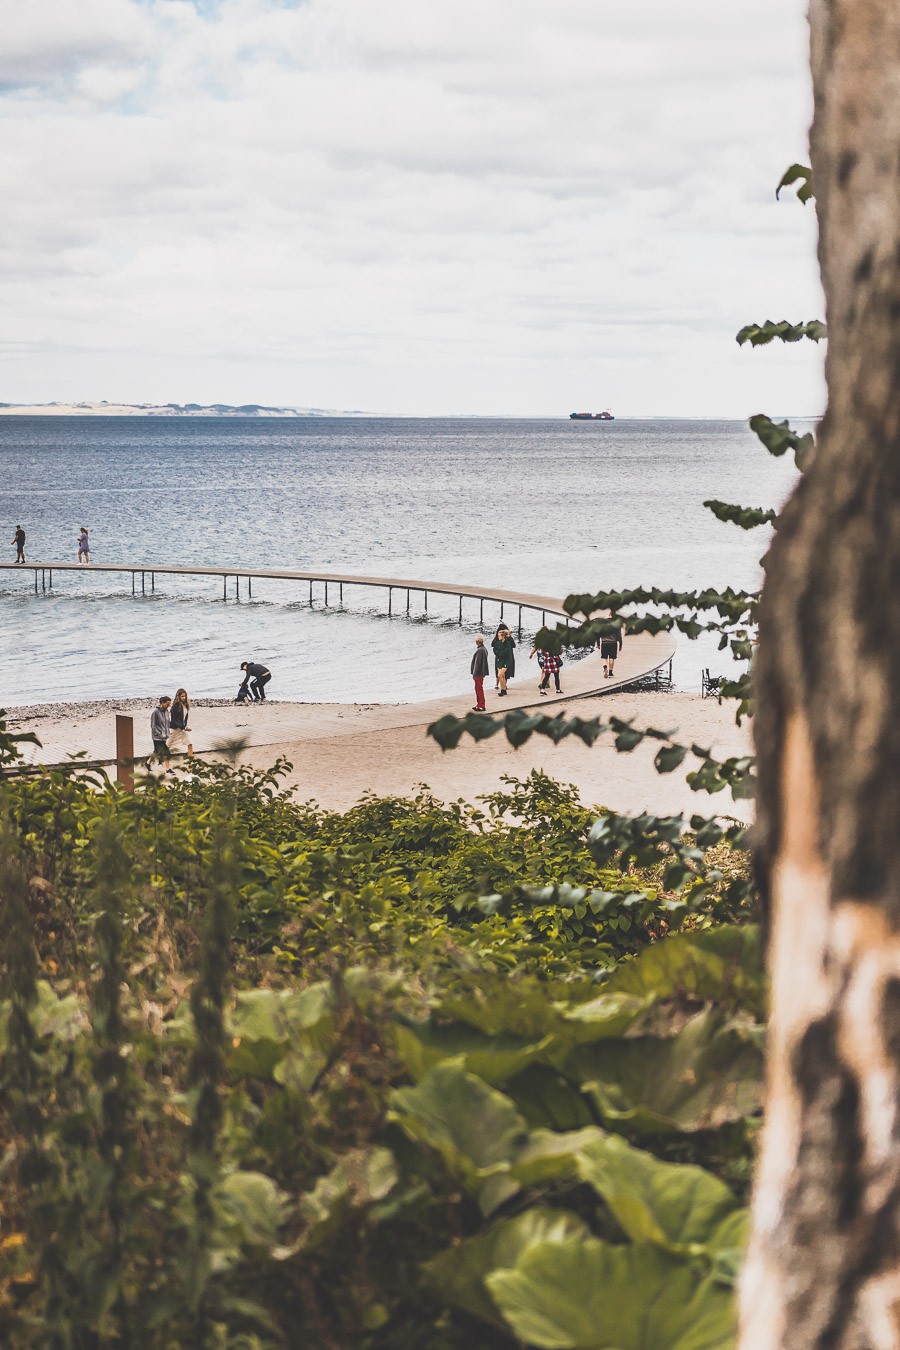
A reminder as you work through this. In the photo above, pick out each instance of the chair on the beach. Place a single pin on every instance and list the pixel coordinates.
(710, 686)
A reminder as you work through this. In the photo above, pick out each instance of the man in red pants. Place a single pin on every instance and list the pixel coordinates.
(479, 670)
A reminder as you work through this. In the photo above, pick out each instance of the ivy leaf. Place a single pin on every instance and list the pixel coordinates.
(758, 334)
(747, 517)
(669, 758)
(797, 173)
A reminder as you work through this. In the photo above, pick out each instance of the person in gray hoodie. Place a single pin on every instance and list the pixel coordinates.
(480, 668)
(160, 726)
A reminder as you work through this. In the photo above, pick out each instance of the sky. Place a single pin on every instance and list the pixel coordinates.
(497, 207)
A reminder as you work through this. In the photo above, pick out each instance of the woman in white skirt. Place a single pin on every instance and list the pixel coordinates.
(179, 714)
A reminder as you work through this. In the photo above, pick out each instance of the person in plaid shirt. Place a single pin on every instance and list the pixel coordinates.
(550, 665)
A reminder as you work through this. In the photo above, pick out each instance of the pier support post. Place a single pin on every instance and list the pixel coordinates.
(43, 580)
(132, 583)
(390, 598)
(153, 582)
(501, 611)
(35, 580)
(460, 609)
(481, 612)
(51, 578)
(341, 594)
(249, 588)
(543, 618)
(224, 587)
(310, 595)
(326, 594)
(143, 584)
(407, 599)
(125, 752)
(520, 621)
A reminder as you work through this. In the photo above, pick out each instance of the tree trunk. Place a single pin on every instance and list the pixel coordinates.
(824, 1264)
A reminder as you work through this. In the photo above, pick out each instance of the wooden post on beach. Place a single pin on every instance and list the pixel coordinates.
(125, 752)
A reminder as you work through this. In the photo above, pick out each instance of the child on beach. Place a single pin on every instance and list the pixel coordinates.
(480, 668)
(83, 546)
(160, 726)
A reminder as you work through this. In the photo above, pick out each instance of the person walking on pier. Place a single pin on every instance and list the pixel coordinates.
(83, 546)
(504, 635)
(503, 657)
(258, 677)
(19, 541)
(181, 711)
(610, 646)
(160, 726)
(550, 665)
(480, 667)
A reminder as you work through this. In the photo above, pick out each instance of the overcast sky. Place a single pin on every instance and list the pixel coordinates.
(404, 206)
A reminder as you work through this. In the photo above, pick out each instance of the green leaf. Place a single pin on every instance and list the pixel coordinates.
(476, 1129)
(723, 964)
(747, 517)
(253, 1205)
(669, 758)
(583, 1294)
(757, 334)
(492, 1058)
(458, 1274)
(281, 1034)
(797, 173)
(362, 1176)
(707, 1075)
(672, 1205)
(552, 1156)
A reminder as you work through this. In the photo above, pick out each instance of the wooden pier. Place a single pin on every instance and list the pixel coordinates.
(644, 654)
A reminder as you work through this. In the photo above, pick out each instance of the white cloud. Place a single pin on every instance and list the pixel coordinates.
(404, 205)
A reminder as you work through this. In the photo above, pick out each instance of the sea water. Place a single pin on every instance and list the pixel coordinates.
(550, 507)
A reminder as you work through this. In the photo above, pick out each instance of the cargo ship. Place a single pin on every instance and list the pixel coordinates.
(592, 417)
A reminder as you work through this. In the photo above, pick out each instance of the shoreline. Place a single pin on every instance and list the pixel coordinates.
(340, 752)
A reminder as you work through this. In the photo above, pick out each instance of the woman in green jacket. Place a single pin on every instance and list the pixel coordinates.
(502, 647)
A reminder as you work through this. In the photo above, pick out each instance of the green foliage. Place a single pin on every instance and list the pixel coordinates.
(269, 1066)
(778, 438)
(797, 173)
(758, 334)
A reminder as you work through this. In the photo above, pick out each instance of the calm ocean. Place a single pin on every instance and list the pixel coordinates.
(545, 506)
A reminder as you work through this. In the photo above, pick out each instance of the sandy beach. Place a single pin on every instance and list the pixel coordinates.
(341, 751)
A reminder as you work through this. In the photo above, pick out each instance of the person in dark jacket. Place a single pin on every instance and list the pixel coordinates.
(19, 541)
(503, 657)
(257, 677)
(504, 634)
(160, 727)
(179, 716)
(610, 647)
(480, 668)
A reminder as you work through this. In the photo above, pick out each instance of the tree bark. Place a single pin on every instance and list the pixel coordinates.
(823, 1268)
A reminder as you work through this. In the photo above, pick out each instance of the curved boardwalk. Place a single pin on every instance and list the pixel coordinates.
(642, 655)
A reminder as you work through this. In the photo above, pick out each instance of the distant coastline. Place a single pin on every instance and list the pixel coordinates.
(105, 409)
